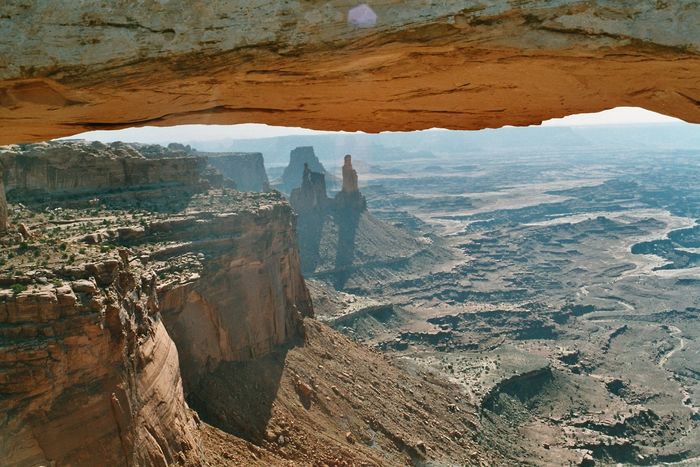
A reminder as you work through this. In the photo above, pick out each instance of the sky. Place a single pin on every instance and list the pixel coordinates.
(616, 116)
(186, 133)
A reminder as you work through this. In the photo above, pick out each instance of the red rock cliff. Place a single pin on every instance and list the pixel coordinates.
(89, 375)
(248, 294)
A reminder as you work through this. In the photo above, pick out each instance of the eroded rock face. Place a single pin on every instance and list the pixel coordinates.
(300, 159)
(247, 294)
(349, 202)
(246, 169)
(64, 168)
(89, 373)
(311, 203)
(311, 195)
(349, 176)
(66, 67)
(3, 208)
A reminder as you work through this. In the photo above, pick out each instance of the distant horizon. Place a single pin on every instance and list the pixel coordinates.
(619, 116)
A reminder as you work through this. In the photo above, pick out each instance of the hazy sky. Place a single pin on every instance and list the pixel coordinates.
(185, 133)
(616, 116)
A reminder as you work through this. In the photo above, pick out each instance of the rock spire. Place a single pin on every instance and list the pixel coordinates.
(349, 176)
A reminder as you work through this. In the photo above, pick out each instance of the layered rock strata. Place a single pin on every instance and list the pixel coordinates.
(88, 373)
(65, 168)
(91, 294)
(66, 67)
(246, 169)
(300, 159)
(234, 289)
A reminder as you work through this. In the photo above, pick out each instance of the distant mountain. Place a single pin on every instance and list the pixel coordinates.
(328, 147)
(371, 148)
(648, 136)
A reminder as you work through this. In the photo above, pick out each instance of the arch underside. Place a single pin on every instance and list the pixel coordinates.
(450, 67)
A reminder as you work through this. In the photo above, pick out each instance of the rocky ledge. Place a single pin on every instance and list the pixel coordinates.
(88, 372)
(113, 322)
(90, 298)
(75, 168)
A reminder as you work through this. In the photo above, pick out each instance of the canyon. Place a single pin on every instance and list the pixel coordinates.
(460, 307)
(124, 310)
(568, 310)
(99, 294)
(176, 321)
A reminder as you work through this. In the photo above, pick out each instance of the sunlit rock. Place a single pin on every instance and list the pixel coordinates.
(72, 66)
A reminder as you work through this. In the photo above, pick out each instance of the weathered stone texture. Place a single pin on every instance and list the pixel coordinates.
(250, 295)
(89, 376)
(70, 66)
(246, 169)
(81, 167)
(92, 351)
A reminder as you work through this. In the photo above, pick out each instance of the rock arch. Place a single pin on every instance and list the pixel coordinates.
(67, 67)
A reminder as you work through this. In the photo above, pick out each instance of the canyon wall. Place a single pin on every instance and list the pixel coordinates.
(300, 159)
(247, 295)
(88, 373)
(67, 67)
(246, 169)
(79, 167)
(3, 208)
(103, 306)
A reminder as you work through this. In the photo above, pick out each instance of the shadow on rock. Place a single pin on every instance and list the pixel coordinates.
(237, 397)
(347, 221)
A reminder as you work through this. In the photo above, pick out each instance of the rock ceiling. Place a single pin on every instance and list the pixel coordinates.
(67, 67)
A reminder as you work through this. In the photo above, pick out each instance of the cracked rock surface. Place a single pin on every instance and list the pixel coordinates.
(67, 67)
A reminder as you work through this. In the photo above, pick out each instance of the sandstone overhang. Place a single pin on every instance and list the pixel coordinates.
(68, 67)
